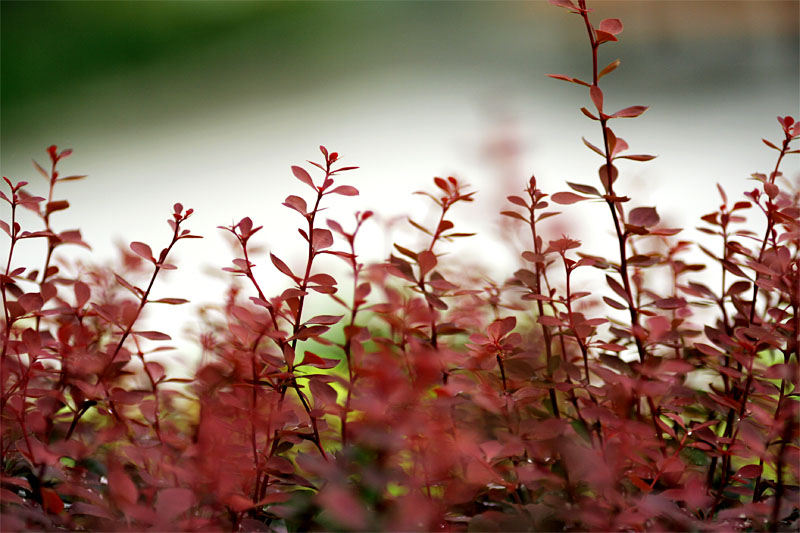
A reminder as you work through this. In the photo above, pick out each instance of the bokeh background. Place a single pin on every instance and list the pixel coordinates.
(210, 103)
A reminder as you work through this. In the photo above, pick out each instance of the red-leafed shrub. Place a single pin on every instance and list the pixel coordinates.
(433, 401)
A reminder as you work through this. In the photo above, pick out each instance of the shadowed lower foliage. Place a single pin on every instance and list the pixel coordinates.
(436, 400)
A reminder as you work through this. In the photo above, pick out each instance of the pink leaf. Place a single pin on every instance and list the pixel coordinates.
(567, 198)
(303, 176)
(612, 26)
(345, 190)
(597, 97)
(630, 112)
(143, 250)
(153, 335)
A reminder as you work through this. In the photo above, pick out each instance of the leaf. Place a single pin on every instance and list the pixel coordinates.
(547, 320)
(58, 205)
(630, 112)
(500, 328)
(169, 301)
(345, 190)
(567, 198)
(608, 69)
(593, 148)
(122, 489)
(514, 214)
(51, 502)
(406, 252)
(42, 171)
(296, 203)
(618, 288)
(644, 216)
(135, 290)
(143, 250)
(604, 177)
(326, 320)
(306, 332)
(72, 178)
(174, 502)
(281, 266)
(426, 261)
(569, 79)
(636, 157)
(612, 26)
(585, 189)
(597, 97)
(322, 279)
(613, 303)
(153, 335)
(749, 471)
(302, 175)
(156, 370)
(567, 4)
(82, 293)
(604, 37)
(321, 239)
(518, 201)
(312, 359)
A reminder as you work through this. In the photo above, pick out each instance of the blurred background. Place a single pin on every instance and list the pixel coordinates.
(210, 103)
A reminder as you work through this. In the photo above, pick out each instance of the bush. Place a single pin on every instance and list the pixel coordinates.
(434, 401)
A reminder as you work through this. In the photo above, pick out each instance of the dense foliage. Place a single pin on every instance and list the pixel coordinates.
(436, 400)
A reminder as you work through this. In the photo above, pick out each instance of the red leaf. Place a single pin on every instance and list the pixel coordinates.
(303, 176)
(58, 205)
(296, 203)
(597, 97)
(612, 26)
(749, 471)
(604, 37)
(51, 501)
(608, 69)
(426, 261)
(321, 239)
(630, 112)
(122, 489)
(567, 198)
(153, 335)
(547, 320)
(82, 293)
(569, 79)
(604, 177)
(644, 216)
(143, 250)
(281, 266)
(616, 287)
(565, 4)
(174, 502)
(170, 301)
(312, 359)
(322, 279)
(345, 190)
(325, 320)
(585, 189)
(613, 303)
(500, 328)
(323, 393)
(636, 157)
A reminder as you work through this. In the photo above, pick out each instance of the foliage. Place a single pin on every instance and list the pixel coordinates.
(433, 402)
